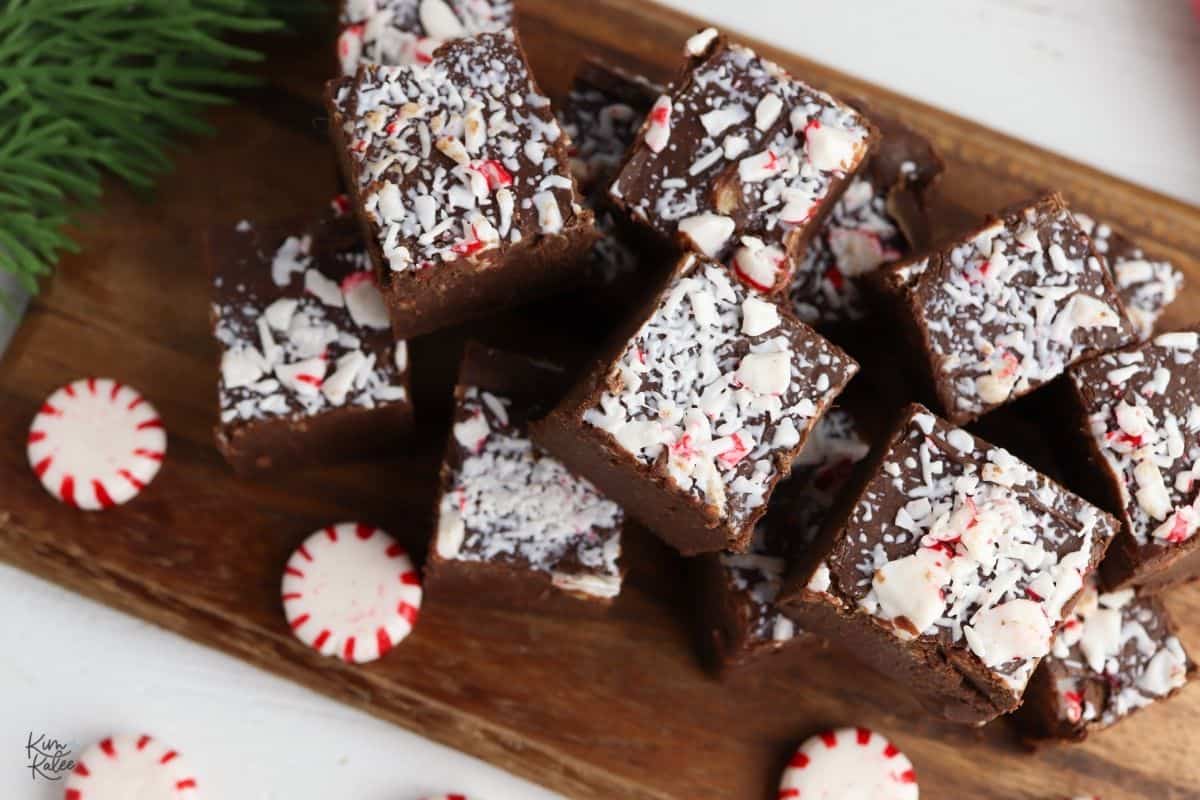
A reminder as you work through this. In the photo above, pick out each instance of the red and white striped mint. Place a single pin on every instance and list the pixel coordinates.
(449, 797)
(124, 767)
(848, 764)
(96, 443)
(351, 591)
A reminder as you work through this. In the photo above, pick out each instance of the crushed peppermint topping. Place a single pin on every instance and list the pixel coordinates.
(301, 333)
(957, 542)
(794, 517)
(859, 237)
(1143, 410)
(398, 32)
(602, 115)
(1146, 285)
(1115, 654)
(739, 148)
(510, 502)
(715, 408)
(1011, 307)
(459, 159)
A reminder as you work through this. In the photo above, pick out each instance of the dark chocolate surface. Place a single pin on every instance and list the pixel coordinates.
(1147, 285)
(505, 501)
(455, 162)
(880, 219)
(739, 148)
(279, 302)
(715, 393)
(1116, 654)
(956, 544)
(794, 518)
(408, 31)
(1141, 408)
(1009, 307)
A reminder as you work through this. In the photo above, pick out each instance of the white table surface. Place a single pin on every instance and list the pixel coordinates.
(1113, 83)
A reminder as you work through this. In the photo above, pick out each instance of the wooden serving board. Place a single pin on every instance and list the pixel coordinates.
(600, 709)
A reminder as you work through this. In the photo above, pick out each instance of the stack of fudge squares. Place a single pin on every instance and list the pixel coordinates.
(769, 219)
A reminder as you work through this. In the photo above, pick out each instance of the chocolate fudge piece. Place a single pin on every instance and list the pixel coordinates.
(949, 567)
(513, 524)
(1140, 414)
(879, 220)
(741, 160)
(740, 620)
(1007, 308)
(602, 115)
(1117, 653)
(409, 31)
(1146, 285)
(310, 372)
(461, 181)
(701, 410)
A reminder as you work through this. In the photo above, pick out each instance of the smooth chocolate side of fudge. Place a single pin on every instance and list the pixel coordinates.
(738, 632)
(1139, 416)
(740, 160)
(1006, 308)
(397, 32)
(460, 178)
(950, 566)
(513, 525)
(1147, 285)
(700, 410)
(1116, 654)
(880, 219)
(740, 620)
(603, 114)
(309, 370)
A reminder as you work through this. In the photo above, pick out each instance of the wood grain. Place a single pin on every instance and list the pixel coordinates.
(598, 709)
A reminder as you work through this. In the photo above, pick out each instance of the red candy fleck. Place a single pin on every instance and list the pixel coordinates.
(493, 172)
(683, 447)
(748, 280)
(355, 279)
(1179, 530)
(1011, 364)
(835, 277)
(1074, 704)
(736, 452)
(344, 40)
(340, 204)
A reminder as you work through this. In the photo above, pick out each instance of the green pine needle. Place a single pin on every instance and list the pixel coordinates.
(96, 87)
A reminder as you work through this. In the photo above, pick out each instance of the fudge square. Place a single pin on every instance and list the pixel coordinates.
(741, 160)
(1007, 308)
(513, 525)
(1146, 285)
(740, 621)
(701, 409)
(880, 219)
(1140, 421)
(949, 567)
(310, 372)
(1117, 653)
(409, 31)
(461, 181)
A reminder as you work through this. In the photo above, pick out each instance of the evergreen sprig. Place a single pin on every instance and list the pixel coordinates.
(96, 87)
